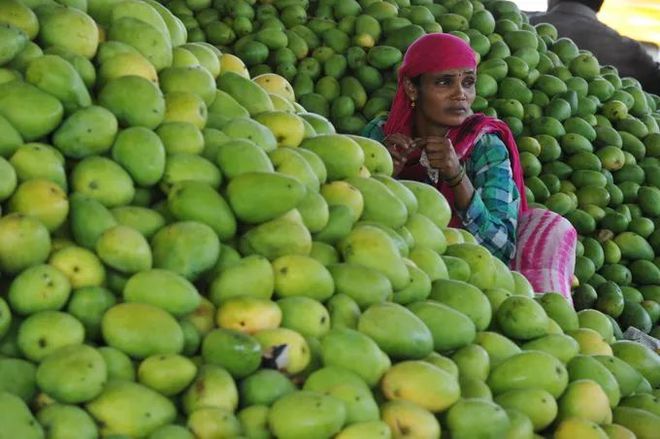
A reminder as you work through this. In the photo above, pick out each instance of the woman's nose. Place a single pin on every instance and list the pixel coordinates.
(459, 92)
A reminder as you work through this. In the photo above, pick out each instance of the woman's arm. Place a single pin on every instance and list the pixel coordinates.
(491, 211)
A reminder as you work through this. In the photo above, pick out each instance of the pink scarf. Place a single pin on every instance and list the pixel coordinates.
(435, 53)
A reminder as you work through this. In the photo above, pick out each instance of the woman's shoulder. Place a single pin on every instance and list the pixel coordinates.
(492, 146)
(374, 128)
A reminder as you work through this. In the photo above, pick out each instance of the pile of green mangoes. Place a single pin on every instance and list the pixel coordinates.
(187, 252)
(589, 140)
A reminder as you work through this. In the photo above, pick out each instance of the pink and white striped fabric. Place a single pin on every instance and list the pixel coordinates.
(545, 251)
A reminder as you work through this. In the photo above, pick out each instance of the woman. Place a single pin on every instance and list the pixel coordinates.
(433, 136)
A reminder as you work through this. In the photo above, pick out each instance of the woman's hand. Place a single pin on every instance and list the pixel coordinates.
(442, 156)
(400, 146)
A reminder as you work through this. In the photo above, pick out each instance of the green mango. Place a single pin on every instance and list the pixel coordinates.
(131, 409)
(207, 421)
(14, 40)
(304, 315)
(144, 37)
(213, 387)
(365, 429)
(457, 268)
(469, 418)
(344, 312)
(246, 128)
(141, 330)
(264, 387)
(405, 337)
(380, 204)
(24, 241)
(465, 298)
(626, 376)
(537, 404)
(450, 329)
(62, 375)
(146, 164)
(430, 202)
(298, 275)
(118, 364)
(196, 201)
(177, 31)
(314, 211)
(69, 28)
(246, 92)
(639, 357)
(140, 11)
(587, 367)
(103, 180)
(31, 111)
(145, 221)
(88, 305)
(178, 247)
(63, 421)
(306, 414)
(240, 156)
(42, 192)
(260, 196)
(18, 377)
(89, 219)
(340, 223)
(642, 423)
(195, 79)
(430, 262)
(633, 246)
(167, 374)
(59, 78)
(372, 247)
(499, 347)
(649, 199)
(88, 131)
(324, 253)
(341, 155)
(365, 285)
(560, 346)
(223, 109)
(419, 287)
(17, 420)
(44, 332)
(184, 166)
(134, 100)
(287, 161)
(348, 387)
(11, 138)
(38, 288)
(522, 318)
(559, 310)
(163, 289)
(528, 370)
(281, 236)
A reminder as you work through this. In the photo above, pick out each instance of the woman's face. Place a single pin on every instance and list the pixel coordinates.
(444, 98)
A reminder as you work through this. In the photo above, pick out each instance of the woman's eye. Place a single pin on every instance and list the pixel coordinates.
(469, 82)
(442, 82)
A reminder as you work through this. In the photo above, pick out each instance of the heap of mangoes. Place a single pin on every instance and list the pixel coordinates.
(186, 252)
(589, 140)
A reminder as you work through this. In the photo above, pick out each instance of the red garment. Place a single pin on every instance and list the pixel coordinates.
(435, 53)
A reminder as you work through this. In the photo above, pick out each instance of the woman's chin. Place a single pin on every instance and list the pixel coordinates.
(454, 119)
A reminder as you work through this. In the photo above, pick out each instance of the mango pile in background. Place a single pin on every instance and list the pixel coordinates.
(187, 252)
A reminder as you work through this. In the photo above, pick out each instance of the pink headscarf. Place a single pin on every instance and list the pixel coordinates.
(434, 53)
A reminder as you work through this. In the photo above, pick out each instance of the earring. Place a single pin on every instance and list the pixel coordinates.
(412, 103)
